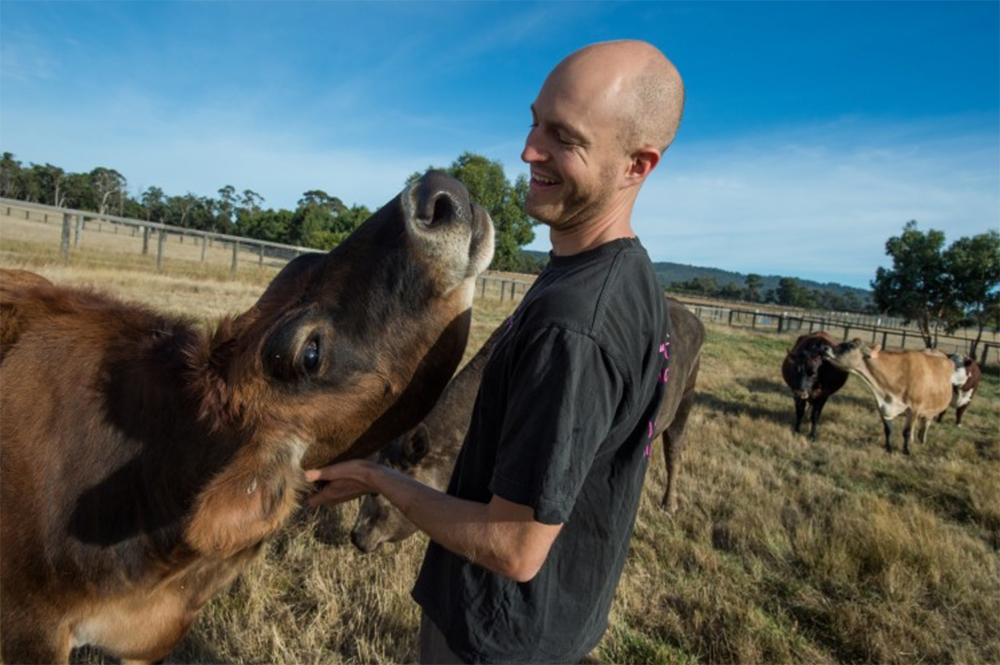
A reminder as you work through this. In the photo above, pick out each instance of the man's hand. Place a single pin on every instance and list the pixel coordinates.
(345, 481)
(500, 536)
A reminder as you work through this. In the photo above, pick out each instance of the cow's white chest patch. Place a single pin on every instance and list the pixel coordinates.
(890, 408)
(961, 397)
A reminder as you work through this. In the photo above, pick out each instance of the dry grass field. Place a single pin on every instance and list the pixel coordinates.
(782, 550)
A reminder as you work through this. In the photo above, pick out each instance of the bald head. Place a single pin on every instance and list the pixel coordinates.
(636, 83)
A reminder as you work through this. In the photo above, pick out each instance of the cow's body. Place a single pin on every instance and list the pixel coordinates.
(812, 379)
(144, 461)
(428, 452)
(914, 384)
(964, 384)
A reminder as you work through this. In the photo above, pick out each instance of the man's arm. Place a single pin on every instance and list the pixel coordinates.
(501, 536)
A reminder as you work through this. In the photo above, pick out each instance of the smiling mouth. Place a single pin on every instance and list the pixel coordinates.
(543, 182)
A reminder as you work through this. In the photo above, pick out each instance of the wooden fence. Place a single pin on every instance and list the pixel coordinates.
(75, 223)
(238, 251)
(887, 336)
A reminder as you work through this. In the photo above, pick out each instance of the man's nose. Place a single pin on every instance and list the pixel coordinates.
(531, 152)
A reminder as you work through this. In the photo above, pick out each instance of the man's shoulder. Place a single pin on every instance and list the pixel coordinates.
(621, 287)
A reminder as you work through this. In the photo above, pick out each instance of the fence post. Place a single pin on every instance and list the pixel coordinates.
(847, 331)
(781, 323)
(64, 245)
(986, 351)
(730, 318)
(260, 261)
(904, 339)
(145, 240)
(204, 246)
(159, 249)
(236, 260)
(885, 338)
(482, 292)
(503, 289)
(79, 230)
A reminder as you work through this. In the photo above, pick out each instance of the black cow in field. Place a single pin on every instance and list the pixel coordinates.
(811, 377)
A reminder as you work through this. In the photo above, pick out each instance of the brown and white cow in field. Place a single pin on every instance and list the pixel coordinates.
(811, 377)
(428, 451)
(914, 384)
(144, 460)
(964, 384)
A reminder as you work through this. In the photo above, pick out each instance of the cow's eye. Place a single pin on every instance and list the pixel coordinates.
(310, 356)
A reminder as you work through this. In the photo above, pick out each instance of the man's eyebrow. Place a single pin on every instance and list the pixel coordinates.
(559, 126)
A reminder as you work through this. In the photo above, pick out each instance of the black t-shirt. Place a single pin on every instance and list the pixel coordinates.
(562, 423)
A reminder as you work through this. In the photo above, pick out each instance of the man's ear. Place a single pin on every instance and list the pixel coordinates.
(642, 163)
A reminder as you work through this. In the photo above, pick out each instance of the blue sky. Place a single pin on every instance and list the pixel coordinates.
(813, 131)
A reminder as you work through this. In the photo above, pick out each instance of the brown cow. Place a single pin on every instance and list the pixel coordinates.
(916, 384)
(144, 461)
(428, 452)
(964, 384)
(811, 377)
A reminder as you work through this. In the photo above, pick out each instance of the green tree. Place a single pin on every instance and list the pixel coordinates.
(225, 209)
(180, 208)
(50, 179)
(154, 204)
(753, 284)
(270, 225)
(109, 188)
(489, 187)
(916, 288)
(10, 176)
(789, 292)
(973, 264)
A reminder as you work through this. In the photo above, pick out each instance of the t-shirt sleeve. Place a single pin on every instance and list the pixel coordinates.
(564, 399)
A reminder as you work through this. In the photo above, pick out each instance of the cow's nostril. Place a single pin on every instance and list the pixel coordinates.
(444, 210)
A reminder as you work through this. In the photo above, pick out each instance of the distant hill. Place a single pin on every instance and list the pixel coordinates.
(678, 272)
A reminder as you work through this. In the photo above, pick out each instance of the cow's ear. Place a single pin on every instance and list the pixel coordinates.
(968, 362)
(873, 351)
(241, 506)
(417, 444)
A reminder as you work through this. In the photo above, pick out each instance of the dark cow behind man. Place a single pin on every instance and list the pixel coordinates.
(428, 451)
(144, 460)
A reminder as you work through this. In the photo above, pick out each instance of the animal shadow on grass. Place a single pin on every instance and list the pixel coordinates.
(736, 407)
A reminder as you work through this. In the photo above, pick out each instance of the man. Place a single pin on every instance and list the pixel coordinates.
(528, 543)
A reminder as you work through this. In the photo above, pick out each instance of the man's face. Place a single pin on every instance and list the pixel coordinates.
(574, 152)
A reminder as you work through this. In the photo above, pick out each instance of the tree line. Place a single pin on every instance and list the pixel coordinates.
(320, 220)
(929, 284)
(789, 292)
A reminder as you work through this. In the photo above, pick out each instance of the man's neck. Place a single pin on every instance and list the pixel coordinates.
(613, 224)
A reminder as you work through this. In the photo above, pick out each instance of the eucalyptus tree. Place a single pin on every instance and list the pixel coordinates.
(973, 266)
(917, 287)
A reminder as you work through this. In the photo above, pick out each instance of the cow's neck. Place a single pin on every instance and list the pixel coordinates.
(177, 450)
(876, 378)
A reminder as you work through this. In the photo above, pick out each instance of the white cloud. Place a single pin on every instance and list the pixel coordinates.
(818, 203)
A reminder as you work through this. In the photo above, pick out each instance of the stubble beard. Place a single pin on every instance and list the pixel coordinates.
(577, 207)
